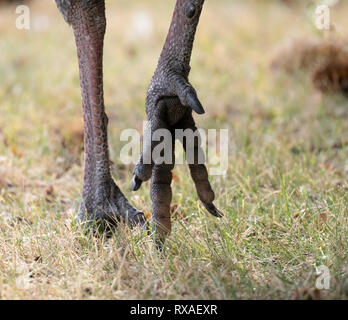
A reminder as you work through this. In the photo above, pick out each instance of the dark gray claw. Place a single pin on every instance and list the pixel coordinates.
(194, 103)
(136, 183)
(213, 210)
(137, 219)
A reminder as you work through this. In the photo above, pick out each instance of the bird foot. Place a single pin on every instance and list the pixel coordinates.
(111, 209)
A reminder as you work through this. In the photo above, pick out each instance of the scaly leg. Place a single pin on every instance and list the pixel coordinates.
(102, 199)
(161, 196)
(171, 76)
(171, 92)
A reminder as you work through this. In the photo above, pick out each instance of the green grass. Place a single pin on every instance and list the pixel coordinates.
(284, 197)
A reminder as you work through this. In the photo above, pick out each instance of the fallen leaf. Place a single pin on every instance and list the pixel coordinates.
(147, 215)
(16, 152)
(175, 177)
(49, 191)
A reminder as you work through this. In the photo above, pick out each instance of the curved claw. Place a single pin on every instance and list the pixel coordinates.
(136, 183)
(138, 219)
(194, 103)
(213, 210)
(188, 95)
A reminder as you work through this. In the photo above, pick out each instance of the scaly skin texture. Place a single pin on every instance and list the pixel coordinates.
(102, 199)
(169, 104)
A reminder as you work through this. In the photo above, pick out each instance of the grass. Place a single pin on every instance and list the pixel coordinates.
(284, 197)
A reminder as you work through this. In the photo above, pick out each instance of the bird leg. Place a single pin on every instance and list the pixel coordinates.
(169, 104)
(102, 199)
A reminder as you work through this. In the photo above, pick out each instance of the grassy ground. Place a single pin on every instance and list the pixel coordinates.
(284, 197)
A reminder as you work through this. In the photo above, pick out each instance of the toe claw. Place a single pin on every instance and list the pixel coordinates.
(139, 219)
(213, 210)
(194, 103)
(136, 219)
(136, 183)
